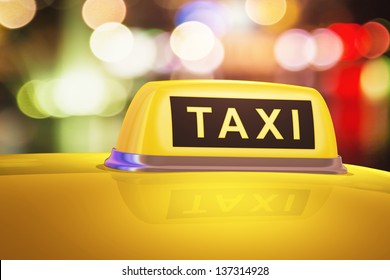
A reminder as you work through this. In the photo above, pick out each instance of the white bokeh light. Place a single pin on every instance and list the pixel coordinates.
(111, 42)
(237, 16)
(166, 60)
(209, 63)
(294, 49)
(140, 60)
(329, 49)
(116, 98)
(80, 92)
(192, 40)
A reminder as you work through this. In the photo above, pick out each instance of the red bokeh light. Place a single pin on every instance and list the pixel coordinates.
(350, 34)
(375, 42)
(343, 82)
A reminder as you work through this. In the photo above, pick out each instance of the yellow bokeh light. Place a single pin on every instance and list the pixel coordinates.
(45, 99)
(17, 13)
(375, 78)
(98, 12)
(290, 18)
(111, 42)
(266, 12)
(192, 40)
(117, 96)
(27, 100)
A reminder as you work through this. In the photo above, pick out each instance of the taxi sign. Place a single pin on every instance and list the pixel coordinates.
(226, 126)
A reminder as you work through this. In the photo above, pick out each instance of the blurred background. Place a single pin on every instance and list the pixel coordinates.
(69, 68)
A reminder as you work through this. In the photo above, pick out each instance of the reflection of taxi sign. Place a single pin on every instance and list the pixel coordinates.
(226, 125)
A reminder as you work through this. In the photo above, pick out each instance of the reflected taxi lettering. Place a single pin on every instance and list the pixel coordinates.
(247, 123)
(229, 202)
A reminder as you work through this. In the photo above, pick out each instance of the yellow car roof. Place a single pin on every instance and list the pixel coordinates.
(69, 206)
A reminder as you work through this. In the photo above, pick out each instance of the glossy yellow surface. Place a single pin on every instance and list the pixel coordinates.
(68, 206)
(147, 127)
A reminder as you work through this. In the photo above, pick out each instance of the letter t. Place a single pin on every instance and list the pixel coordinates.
(199, 118)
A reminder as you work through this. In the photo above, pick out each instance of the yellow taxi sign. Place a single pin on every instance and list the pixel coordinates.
(226, 125)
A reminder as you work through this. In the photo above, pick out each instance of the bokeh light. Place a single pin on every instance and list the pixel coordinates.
(140, 60)
(116, 96)
(211, 13)
(375, 79)
(182, 74)
(290, 18)
(166, 60)
(27, 100)
(377, 42)
(111, 42)
(329, 49)
(17, 13)
(98, 12)
(238, 18)
(80, 92)
(74, 65)
(249, 54)
(295, 49)
(209, 63)
(46, 100)
(346, 80)
(350, 34)
(266, 12)
(87, 134)
(192, 40)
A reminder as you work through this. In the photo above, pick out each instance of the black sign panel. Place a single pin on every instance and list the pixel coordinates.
(242, 123)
